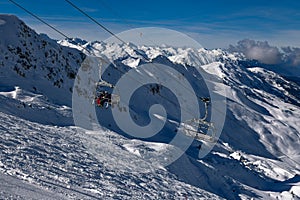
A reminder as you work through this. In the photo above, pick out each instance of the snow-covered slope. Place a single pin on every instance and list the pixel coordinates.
(36, 62)
(257, 155)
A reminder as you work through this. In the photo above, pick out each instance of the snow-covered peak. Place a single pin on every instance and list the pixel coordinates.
(11, 28)
(132, 54)
(36, 62)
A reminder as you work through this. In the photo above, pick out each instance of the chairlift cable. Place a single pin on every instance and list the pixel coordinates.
(114, 35)
(118, 38)
(40, 19)
(95, 21)
(228, 116)
(61, 33)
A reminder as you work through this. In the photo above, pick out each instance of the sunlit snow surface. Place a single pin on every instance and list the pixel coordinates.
(44, 156)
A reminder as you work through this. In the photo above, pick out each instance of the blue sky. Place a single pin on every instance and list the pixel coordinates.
(213, 24)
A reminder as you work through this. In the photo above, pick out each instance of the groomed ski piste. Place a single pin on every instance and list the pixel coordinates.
(43, 155)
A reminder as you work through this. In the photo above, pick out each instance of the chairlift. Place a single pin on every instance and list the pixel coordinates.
(103, 96)
(197, 127)
(104, 99)
(102, 83)
(194, 128)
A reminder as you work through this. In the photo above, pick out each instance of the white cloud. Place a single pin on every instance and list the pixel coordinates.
(260, 51)
(264, 53)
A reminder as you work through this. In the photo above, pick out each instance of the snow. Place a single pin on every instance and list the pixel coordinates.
(34, 107)
(70, 167)
(14, 188)
(214, 69)
(138, 148)
(2, 22)
(43, 155)
(295, 190)
(12, 94)
(35, 62)
(131, 62)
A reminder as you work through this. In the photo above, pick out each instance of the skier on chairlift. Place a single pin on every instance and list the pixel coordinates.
(103, 99)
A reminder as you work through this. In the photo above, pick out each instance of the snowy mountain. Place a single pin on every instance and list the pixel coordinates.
(44, 155)
(36, 60)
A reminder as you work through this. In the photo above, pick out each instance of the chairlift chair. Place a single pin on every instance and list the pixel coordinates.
(102, 83)
(113, 99)
(194, 128)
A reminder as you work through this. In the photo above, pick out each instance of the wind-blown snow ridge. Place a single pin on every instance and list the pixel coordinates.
(257, 155)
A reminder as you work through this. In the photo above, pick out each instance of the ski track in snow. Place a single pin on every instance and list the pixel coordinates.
(55, 158)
